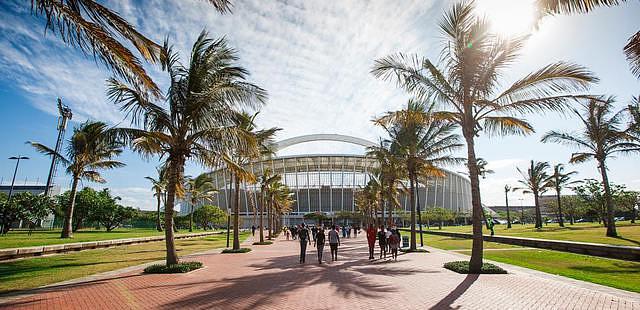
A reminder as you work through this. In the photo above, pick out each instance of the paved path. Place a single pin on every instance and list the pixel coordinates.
(270, 277)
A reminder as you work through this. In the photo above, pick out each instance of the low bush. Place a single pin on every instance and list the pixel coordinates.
(463, 267)
(181, 267)
(263, 243)
(240, 250)
(407, 250)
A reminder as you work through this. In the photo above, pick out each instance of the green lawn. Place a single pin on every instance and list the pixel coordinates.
(610, 272)
(21, 238)
(31, 273)
(629, 234)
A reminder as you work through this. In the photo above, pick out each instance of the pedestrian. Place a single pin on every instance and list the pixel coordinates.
(253, 230)
(334, 242)
(303, 234)
(344, 231)
(319, 243)
(371, 239)
(388, 234)
(394, 244)
(314, 231)
(349, 231)
(287, 232)
(355, 231)
(294, 232)
(382, 242)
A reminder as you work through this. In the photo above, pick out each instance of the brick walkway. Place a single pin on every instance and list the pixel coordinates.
(270, 277)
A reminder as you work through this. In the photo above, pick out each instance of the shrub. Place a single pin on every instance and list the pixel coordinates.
(407, 250)
(240, 250)
(463, 267)
(181, 267)
(263, 243)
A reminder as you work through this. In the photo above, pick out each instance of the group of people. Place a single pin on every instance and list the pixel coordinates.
(388, 239)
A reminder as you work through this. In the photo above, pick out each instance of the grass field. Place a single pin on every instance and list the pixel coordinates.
(21, 238)
(35, 272)
(610, 272)
(629, 234)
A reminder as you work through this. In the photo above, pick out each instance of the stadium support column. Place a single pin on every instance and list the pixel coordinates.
(342, 184)
(319, 184)
(331, 189)
(353, 197)
(308, 187)
(295, 166)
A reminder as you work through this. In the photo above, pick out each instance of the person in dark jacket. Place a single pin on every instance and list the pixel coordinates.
(303, 235)
(319, 241)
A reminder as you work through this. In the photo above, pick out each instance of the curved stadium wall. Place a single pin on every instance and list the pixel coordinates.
(326, 183)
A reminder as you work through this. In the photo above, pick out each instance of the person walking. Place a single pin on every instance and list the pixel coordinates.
(287, 232)
(371, 239)
(314, 231)
(303, 235)
(382, 242)
(253, 230)
(334, 242)
(388, 234)
(394, 244)
(344, 231)
(349, 231)
(319, 243)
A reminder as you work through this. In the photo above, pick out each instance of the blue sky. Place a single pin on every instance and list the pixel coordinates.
(314, 59)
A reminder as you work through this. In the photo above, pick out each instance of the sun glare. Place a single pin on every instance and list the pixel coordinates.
(508, 17)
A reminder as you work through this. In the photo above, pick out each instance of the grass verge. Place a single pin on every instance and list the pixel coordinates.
(463, 267)
(407, 250)
(263, 243)
(182, 267)
(35, 272)
(610, 272)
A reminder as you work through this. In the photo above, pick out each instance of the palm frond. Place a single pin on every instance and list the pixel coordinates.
(505, 125)
(632, 51)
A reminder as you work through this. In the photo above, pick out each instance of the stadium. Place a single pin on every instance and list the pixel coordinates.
(326, 183)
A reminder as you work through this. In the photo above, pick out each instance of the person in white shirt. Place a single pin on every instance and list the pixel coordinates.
(334, 242)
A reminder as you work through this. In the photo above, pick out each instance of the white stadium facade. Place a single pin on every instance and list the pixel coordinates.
(326, 183)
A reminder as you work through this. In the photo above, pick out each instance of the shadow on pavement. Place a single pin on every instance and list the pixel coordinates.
(448, 300)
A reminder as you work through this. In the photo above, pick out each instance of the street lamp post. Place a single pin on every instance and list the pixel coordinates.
(17, 159)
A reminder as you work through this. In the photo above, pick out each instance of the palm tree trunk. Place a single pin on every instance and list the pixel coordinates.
(67, 228)
(412, 201)
(419, 213)
(236, 211)
(382, 202)
(560, 219)
(537, 205)
(506, 201)
(158, 224)
(175, 167)
(191, 217)
(475, 263)
(611, 224)
(269, 217)
(263, 200)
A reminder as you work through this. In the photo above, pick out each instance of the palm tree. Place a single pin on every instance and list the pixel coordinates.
(92, 147)
(266, 181)
(507, 189)
(95, 29)
(389, 175)
(200, 188)
(534, 181)
(558, 181)
(158, 186)
(242, 156)
(551, 7)
(482, 164)
(466, 85)
(282, 202)
(197, 121)
(423, 143)
(601, 138)
(634, 112)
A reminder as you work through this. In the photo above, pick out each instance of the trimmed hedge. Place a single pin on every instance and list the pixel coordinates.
(407, 250)
(240, 250)
(263, 243)
(463, 267)
(182, 267)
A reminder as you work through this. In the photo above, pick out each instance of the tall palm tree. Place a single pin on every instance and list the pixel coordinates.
(199, 189)
(465, 85)
(424, 144)
(558, 181)
(282, 202)
(551, 7)
(95, 29)
(197, 121)
(243, 156)
(266, 182)
(92, 147)
(507, 189)
(482, 164)
(158, 187)
(534, 181)
(603, 135)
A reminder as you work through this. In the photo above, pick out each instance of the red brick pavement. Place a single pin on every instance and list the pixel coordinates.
(270, 277)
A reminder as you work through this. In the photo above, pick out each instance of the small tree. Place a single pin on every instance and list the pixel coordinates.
(209, 216)
(534, 181)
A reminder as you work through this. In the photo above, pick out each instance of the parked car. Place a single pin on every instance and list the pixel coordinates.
(581, 221)
(619, 218)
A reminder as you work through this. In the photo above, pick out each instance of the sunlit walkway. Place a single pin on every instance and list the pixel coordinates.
(270, 277)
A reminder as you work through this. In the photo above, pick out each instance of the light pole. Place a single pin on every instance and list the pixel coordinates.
(17, 159)
(65, 115)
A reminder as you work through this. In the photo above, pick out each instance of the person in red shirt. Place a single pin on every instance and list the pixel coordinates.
(371, 238)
